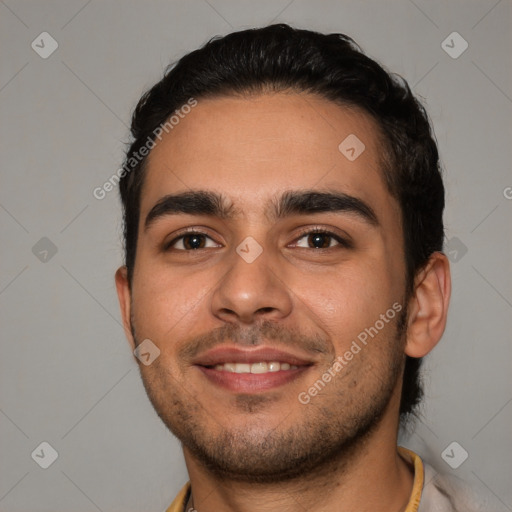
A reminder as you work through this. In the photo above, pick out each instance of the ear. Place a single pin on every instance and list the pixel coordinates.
(428, 308)
(124, 296)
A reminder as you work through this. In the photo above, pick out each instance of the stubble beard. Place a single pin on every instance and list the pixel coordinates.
(327, 438)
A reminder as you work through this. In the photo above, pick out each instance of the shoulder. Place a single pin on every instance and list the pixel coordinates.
(448, 493)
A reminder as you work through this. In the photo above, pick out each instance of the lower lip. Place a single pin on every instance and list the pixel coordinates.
(251, 382)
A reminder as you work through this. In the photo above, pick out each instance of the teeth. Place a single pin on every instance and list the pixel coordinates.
(242, 368)
(261, 367)
(229, 367)
(274, 367)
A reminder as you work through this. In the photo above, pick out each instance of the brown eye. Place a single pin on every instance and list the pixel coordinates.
(318, 239)
(191, 241)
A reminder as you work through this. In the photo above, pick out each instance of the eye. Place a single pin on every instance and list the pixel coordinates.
(191, 240)
(313, 239)
(321, 239)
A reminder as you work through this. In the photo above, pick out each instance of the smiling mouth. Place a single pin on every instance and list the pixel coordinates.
(253, 378)
(249, 371)
(255, 368)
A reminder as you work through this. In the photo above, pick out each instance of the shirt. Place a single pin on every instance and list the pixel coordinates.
(431, 491)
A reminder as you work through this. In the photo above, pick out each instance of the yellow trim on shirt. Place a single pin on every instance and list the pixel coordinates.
(412, 458)
(179, 502)
(417, 486)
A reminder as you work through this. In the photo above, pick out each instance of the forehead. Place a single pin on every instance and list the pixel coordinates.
(248, 148)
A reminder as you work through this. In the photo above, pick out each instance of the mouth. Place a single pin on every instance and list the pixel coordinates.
(251, 371)
(256, 368)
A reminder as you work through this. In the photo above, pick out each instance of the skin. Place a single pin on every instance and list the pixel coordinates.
(293, 296)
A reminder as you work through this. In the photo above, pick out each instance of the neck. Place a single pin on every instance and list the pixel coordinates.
(371, 478)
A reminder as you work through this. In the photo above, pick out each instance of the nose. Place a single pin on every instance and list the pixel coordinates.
(252, 291)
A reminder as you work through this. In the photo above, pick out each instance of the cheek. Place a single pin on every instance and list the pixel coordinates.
(348, 299)
(163, 299)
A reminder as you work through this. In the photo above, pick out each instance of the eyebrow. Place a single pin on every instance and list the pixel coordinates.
(291, 202)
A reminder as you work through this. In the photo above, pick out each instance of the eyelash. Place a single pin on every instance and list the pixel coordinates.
(343, 242)
(308, 231)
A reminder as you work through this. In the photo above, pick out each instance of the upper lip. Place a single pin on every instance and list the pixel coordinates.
(230, 354)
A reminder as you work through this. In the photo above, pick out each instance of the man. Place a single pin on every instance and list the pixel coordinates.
(284, 273)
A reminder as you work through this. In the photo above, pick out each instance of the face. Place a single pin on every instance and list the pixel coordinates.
(265, 255)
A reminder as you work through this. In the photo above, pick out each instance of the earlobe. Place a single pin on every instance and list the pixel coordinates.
(124, 297)
(428, 308)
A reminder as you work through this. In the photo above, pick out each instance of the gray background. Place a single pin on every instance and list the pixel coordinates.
(67, 374)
